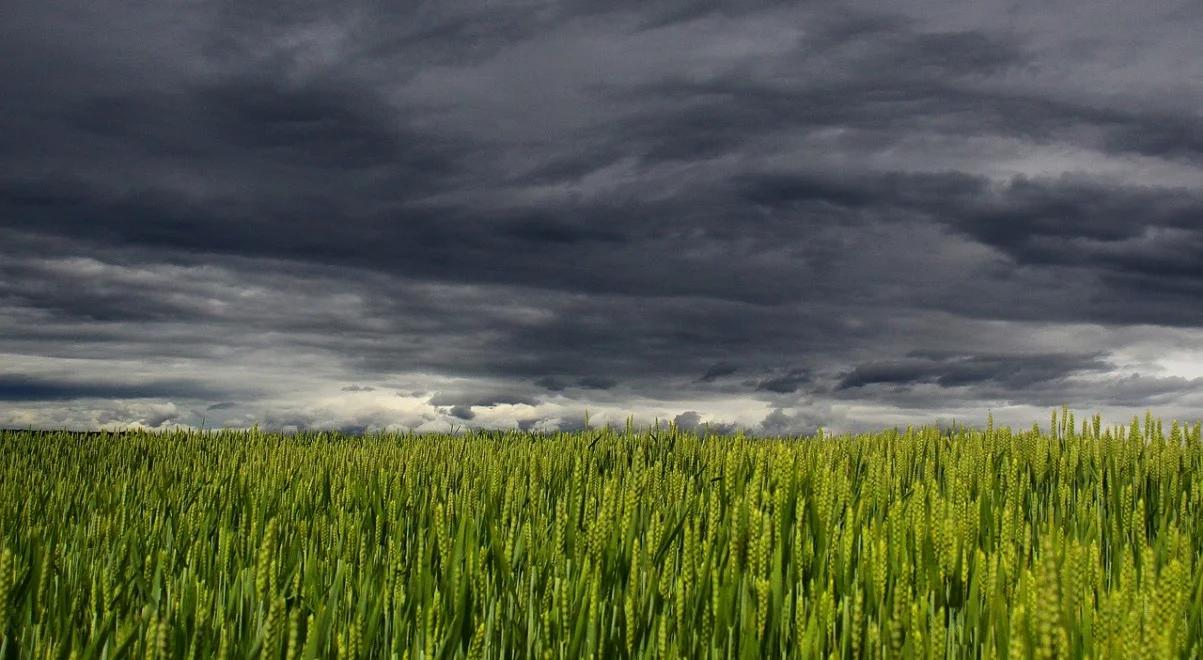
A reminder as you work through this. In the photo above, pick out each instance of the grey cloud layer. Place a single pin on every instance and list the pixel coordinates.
(778, 216)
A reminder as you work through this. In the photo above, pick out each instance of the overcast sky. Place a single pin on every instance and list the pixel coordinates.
(362, 215)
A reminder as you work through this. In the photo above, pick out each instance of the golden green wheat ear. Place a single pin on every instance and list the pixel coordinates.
(1079, 540)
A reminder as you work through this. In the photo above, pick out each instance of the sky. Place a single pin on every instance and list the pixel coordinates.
(771, 217)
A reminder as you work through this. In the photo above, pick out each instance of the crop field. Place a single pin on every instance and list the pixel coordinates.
(1068, 541)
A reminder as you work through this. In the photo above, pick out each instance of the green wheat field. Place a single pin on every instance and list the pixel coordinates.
(1059, 542)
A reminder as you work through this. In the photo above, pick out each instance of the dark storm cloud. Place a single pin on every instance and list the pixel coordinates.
(1170, 136)
(1134, 241)
(788, 382)
(23, 388)
(306, 144)
(596, 383)
(595, 202)
(873, 78)
(1013, 371)
(551, 383)
(718, 370)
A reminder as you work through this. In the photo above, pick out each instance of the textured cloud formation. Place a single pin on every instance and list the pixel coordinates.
(769, 217)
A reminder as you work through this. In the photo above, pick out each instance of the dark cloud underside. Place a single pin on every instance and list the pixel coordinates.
(17, 388)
